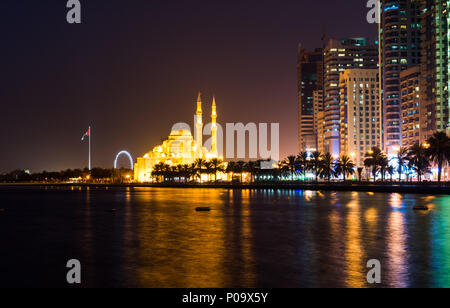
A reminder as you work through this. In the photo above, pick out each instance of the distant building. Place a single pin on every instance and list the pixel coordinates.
(309, 72)
(360, 113)
(410, 98)
(435, 68)
(400, 37)
(340, 56)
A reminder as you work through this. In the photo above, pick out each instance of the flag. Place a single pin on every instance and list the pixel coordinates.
(86, 134)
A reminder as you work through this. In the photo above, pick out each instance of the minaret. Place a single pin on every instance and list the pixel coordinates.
(214, 129)
(199, 127)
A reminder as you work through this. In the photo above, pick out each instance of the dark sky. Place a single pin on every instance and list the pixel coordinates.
(134, 67)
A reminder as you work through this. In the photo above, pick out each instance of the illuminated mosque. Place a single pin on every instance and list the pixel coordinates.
(180, 148)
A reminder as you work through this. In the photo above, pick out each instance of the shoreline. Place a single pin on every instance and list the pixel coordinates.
(366, 187)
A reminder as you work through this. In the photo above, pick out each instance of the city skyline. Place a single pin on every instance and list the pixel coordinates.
(408, 105)
(106, 72)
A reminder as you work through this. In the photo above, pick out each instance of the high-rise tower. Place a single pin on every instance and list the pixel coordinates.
(339, 56)
(400, 41)
(309, 79)
(360, 112)
(410, 98)
(435, 68)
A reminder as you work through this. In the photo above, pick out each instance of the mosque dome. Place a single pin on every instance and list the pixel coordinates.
(181, 130)
(181, 133)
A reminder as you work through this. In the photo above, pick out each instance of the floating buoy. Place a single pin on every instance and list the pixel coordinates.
(421, 208)
(203, 209)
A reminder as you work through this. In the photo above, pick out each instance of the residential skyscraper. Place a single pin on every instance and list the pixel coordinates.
(360, 113)
(400, 41)
(321, 131)
(318, 106)
(309, 71)
(340, 56)
(435, 68)
(410, 99)
(319, 118)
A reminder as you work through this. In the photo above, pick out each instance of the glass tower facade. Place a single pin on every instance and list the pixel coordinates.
(435, 69)
(401, 49)
(309, 70)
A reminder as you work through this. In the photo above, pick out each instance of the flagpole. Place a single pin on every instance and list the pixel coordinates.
(89, 148)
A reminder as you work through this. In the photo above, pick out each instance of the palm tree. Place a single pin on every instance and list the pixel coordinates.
(192, 171)
(231, 168)
(240, 168)
(373, 159)
(315, 163)
(209, 169)
(360, 171)
(438, 148)
(171, 173)
(161, 170)
(384, 165)
(200, 165)
(391, 171)
(180, 172)
(252, 168)
(419, 160)
(157, 171)
(302, 162)
(217, 166)
(187, 173)
(345, 166)
(282, 169)
(402, 160)
(291, 164)
(326, 168)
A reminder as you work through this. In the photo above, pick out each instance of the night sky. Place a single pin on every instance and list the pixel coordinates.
(133, 68)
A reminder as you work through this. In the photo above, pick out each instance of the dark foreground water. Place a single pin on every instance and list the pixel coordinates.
(251, 238)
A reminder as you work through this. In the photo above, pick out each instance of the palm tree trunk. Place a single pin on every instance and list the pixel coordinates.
(439, 171)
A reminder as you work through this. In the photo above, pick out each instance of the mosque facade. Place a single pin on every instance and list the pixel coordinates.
(180, 148)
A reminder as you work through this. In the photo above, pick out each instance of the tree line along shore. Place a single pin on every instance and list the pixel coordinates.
(409, 166)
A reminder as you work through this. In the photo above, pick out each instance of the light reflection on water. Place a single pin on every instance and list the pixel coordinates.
(148, 237)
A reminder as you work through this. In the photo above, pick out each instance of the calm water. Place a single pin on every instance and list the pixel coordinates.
(251, 238)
